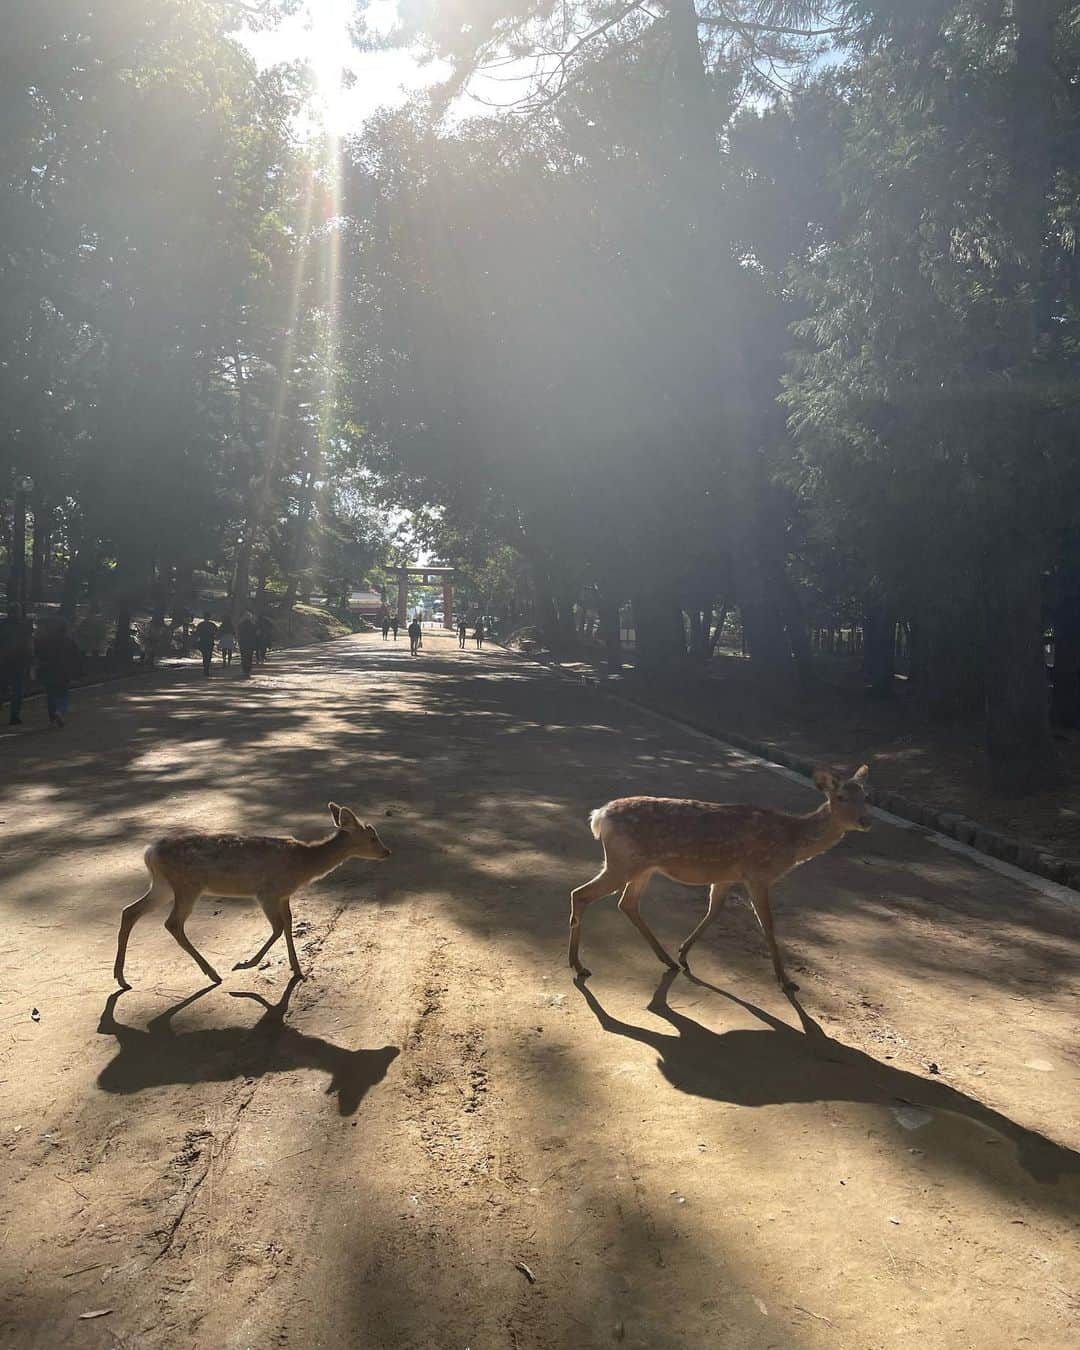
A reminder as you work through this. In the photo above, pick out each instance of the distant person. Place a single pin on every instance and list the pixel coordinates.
(205, 637)
(247, 636)
(59, 661)
(395, 624)
(227, 640)
(386, 627)
(478, 633)
(264, 637)
(462, 631)
(415, 634)
(16, 653)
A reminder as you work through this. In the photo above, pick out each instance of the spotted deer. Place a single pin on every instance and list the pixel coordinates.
(266, 868)
(715, 844)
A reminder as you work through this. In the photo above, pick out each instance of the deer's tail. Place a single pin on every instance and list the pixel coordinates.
(596, 819)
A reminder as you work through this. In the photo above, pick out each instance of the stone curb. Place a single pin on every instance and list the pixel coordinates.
(1021, 853)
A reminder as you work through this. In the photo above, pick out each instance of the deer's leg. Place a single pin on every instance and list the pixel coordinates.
(718, 894)
(183, 903)
(286, 914)
(271, 907)
(628, 903)
(596, 889)
(129, 917)
(759, 898)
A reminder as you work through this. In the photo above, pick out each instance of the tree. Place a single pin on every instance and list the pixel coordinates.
(933, 395)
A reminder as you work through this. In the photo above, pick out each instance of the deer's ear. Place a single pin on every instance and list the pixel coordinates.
(347, 819)
(335, 813)
(862, 773)
(825, 782)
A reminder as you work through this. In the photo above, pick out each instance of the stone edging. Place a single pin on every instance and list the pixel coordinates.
(1027, 856)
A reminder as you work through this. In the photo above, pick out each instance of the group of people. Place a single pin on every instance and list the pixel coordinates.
(479, 633)
(390, 623)
(56, 658)
(251, 636)
(53, 652)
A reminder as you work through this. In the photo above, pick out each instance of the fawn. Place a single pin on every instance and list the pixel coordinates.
(267, 868)
(713, 844)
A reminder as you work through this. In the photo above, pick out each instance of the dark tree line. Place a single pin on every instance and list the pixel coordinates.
(760, 311)
(715, 322)
(164, 426)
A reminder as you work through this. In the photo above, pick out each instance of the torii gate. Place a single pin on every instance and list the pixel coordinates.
(431, 576)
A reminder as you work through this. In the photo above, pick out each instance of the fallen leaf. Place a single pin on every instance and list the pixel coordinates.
(97, 1312)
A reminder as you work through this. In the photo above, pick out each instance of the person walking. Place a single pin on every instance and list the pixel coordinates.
(16, 653)
(59, 661)
(264, 637)
(415, 634)
(462, 631)
(386, 627)
(247, 638)
(227, 640)
(478, 633)
(205, 637)
(395, 624)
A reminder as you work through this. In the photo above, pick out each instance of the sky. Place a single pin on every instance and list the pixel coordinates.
(319, 34)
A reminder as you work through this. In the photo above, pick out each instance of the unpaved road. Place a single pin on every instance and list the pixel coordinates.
(438, 1140)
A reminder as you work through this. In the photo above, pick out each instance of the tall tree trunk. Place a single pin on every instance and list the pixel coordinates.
(608, 611)
(567, 625)
(719, 620)
(39, 549)
(879, 649)
(1066, 697)
(1017, 706)
(74, 574)
(300, 525)
(661, 637)
(951, 662)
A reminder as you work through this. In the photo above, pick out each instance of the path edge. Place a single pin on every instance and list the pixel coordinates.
(1019, 853)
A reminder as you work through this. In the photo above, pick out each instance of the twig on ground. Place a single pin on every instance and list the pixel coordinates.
(818, 1317)
(70, 1275)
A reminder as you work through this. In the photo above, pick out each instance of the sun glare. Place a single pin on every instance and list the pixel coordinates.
(328, 58)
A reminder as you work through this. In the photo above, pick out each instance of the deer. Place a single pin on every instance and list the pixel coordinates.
(721, 845)
(266, 868)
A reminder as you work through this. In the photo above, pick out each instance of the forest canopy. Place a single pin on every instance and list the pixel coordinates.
(737, 306)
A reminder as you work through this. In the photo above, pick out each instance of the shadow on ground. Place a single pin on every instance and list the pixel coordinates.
(754, 1068)
(159, 1056)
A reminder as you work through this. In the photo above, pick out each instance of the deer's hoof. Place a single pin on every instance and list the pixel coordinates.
(122, 982)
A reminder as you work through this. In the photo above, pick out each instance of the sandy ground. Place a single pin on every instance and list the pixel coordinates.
(438, 1140)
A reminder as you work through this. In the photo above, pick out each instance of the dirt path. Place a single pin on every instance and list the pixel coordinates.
(437, 1140)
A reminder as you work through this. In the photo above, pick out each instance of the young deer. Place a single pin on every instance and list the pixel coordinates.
(267, 868)
(708, 843)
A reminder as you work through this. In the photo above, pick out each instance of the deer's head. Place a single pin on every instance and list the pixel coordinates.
(847, 799)
(364, 841)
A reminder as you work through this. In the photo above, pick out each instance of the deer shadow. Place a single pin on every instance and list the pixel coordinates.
(788, 1065)
(158, 1056)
